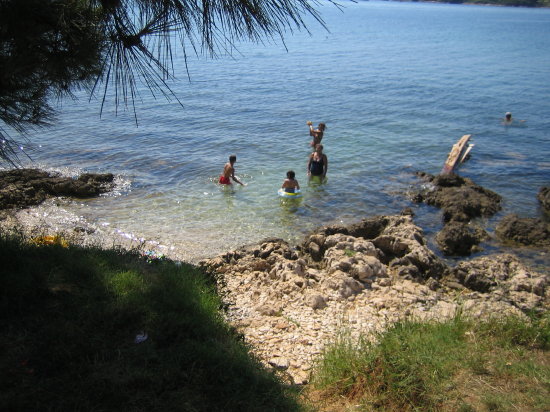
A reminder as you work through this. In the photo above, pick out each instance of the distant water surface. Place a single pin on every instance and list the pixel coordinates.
(397, 84)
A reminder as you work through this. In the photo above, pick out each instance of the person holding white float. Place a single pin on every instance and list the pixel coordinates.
(317, 134)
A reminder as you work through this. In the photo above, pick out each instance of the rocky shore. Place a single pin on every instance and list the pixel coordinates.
(289, 301)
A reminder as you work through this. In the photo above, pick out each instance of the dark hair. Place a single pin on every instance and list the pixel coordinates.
(233, 158)
(290, 174)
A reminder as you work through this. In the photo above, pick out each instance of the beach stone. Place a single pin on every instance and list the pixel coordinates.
(316, 301)
(279, 363)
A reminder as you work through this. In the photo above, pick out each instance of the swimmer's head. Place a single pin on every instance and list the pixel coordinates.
(290, 174)
(232, 159)
(322, 126)
(508, 115)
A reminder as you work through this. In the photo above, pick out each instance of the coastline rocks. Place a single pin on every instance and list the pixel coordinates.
(526, 231)
(506, 279)
(460, 198)
(21, 188)
(544, 197)
(289, 302)
(393, 240)
(457, 238)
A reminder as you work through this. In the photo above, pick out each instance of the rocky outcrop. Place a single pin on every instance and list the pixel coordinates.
(288, 301)
(462, 201)
(544, 198)
(525, 231)
(394, 240)
(21, 188)
(460, 198)
(503, 278)
(458, 238)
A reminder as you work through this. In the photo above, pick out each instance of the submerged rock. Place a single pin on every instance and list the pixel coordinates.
(526, 231)
(460, 239)
(462, 201)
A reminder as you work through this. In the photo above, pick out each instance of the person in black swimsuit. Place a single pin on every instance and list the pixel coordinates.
(317, 164)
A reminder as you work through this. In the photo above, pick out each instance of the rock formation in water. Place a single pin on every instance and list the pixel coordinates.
(462, 202)
(525, 231)
(21, 188)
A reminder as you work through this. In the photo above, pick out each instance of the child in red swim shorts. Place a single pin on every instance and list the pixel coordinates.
(229, 172)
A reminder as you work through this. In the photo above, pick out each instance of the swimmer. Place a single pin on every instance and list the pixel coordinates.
(229, 172)
(290, 184)
(317, 134)
(508, 119)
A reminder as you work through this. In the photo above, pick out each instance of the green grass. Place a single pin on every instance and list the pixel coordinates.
(456, 365)
(69, 317)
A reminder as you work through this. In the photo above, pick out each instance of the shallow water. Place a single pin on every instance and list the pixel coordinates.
(397, 84)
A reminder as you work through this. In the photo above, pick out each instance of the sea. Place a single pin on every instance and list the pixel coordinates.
(397, 84)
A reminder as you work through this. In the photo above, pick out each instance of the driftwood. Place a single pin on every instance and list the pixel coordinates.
(457, 155)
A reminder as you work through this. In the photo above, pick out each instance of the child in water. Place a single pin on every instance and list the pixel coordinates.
(317, 134)
(229, 172)
(290, 184)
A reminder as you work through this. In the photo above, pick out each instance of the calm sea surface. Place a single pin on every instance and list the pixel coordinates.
(397, 85)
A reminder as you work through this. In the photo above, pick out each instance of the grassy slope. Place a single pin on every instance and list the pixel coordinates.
(69, 317)
(460, 365)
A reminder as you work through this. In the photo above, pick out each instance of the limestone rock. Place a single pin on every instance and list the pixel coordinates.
(290, 302)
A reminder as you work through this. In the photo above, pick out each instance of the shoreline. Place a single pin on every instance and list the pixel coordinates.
(290, 301)
(51, 217)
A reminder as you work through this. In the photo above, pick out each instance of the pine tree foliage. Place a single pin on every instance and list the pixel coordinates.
(51, 48)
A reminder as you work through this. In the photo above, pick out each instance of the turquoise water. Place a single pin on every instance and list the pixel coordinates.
(397, 85)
